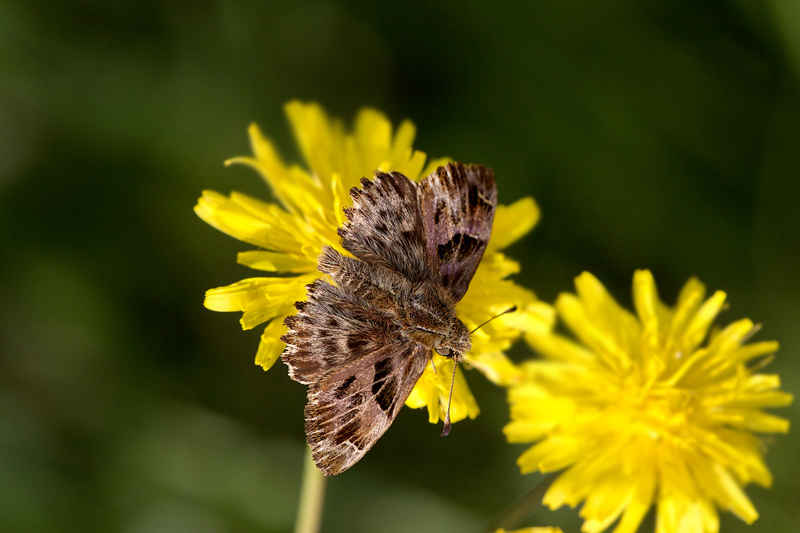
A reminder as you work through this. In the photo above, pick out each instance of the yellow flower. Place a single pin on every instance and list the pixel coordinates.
(642, 412)
(532, 530)
(290, 235)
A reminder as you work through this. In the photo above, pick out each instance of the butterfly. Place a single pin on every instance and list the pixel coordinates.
(361, 342)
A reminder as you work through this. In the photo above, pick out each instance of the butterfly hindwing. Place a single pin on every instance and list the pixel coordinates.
(457, 203)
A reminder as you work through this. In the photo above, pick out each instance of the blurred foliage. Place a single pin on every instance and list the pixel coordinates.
(660, 135)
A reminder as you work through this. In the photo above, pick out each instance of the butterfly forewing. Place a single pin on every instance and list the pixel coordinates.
(457, 204)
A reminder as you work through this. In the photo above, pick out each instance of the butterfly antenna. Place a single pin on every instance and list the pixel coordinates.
(446, 429)
(509, 310)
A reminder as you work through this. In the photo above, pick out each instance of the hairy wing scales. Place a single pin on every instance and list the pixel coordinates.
(332, 328)
(384, 225)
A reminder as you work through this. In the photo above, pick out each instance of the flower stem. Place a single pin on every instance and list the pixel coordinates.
(522, 508)
(312, 497)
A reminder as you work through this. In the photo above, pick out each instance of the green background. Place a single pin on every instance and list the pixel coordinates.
(661, 135)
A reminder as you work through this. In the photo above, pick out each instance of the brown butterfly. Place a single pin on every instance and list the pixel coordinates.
(362, 342)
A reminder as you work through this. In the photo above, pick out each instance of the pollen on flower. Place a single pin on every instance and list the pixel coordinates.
(290, 234)
(641, 411)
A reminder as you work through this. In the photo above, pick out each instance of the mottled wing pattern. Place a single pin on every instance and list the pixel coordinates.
(385, 227)
(344, 344)
(332, 329)
(457, 204)
(350, 409)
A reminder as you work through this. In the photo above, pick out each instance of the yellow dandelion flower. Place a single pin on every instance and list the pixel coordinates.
(310, 206)
(641, 411)
(532, 530)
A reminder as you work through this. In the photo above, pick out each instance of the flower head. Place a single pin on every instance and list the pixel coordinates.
(641, 411)
(310, 206)
(532, 530)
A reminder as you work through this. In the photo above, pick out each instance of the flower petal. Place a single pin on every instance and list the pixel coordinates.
(433, 391)
(276, 261)
(513, 222)
(271, 345)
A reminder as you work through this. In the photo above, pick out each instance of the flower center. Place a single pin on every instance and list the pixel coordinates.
(656, 410)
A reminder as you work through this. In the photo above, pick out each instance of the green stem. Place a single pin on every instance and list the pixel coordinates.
(522, 508)
(312, 497)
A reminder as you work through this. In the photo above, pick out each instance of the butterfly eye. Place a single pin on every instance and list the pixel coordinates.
(443, 351)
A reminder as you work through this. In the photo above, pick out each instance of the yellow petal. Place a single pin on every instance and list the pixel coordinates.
(271, 345)
(433, 164)
(532, 530)
(316, 136)
(593, 334)
(231, 297)
(433, 390)
(698, 327)
(513, 222)
(496, 367)
(276, 261)
(260, 299)
(604, 505)
(641, 500)
(550, 455)
(403, 141)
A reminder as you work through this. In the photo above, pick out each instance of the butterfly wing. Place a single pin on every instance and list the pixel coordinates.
(351, 409)
(457, 204)
(359, 368)
(385, 225)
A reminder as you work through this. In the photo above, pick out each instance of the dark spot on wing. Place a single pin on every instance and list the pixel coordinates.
(332, 322)
(472, 195)
(459, 247)
(437, 214)
(341, 390)
(347, 432)
(447, 250)
(329, 347)
(411, 237)
(382, 369)
(386, 396)
(398, 185)
(360, 443)
(356, 343)
(357, 399)
(469, 245)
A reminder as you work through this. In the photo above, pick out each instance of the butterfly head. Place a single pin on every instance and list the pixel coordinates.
(455, 343)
